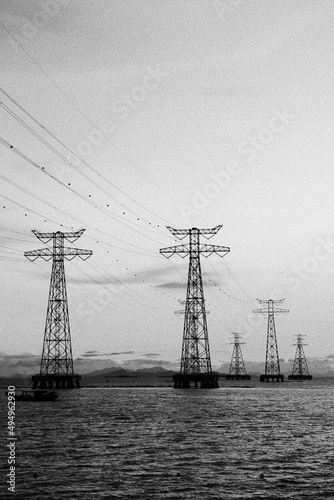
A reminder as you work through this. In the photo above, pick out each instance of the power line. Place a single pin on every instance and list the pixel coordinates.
(94, 280)
(14, 239)
(231, 274)
(14, 251)
(74, 104)
(12, 231)
(6, 179)
(9, 259)
(118, 284)
(27, 209)
(71, 164)
(117, 280)
(74, 154)
(79, 195)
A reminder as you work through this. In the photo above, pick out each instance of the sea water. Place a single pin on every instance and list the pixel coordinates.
(264, 441)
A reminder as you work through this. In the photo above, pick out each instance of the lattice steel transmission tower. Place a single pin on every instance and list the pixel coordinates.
(237, 369)
(272, 367)
(195, 358)
(57, 361)
(300, 369)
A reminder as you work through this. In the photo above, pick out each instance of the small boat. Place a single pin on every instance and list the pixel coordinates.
(36, 395)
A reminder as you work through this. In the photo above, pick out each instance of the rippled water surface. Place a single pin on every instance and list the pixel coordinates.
(269, 441)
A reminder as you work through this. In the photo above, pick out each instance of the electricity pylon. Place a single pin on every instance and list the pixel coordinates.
(57, 360)
(237, 369)
(272, 368)
(195, 358)
(300, 369)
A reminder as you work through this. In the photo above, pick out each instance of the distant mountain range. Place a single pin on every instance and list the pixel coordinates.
(156, 375)
(18, 370)
(153, 376)
(119, 371)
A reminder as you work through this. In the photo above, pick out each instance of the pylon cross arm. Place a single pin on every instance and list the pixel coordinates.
(208, 250)
(69, 236)
(68, 253)
(72, 236)
(179, 233)
(182, 233)
(210, 232)
(260, 311)
(204, 249)
(45, 253)
(273, 301)
(179, 249)
(71, 253)
(44, 237)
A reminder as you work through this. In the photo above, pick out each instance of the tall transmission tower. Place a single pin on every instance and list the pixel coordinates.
(195, 358)
(272, 367)
(237, 366)
(56, 368)
(300, 369)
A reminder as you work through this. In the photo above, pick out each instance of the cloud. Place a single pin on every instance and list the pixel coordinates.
(147, 363)
(144, 276)
(327, 359)
(27, 362)
(91, 354)
(183, 284)
(147, 275)
(87, 365)
(23, 364)
(173, 285)
(210, 279)
(151, 355)
(15, 357)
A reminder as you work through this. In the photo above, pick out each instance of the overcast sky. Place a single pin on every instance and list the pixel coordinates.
(186, 113)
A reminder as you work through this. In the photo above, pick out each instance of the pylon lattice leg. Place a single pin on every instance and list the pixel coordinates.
(195, 357)
(272, 366)
(57, 356)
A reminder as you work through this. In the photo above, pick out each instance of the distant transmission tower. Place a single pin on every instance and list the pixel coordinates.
(57, 362)
(237, 367)
(300, 369)
(272, 367)
(195, 358)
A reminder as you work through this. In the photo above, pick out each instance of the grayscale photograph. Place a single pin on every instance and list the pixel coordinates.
(167, 249)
